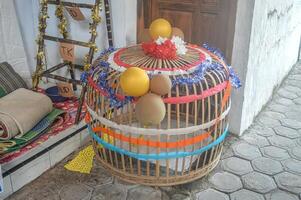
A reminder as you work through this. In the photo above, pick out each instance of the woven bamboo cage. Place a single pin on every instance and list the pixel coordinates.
(187, 144)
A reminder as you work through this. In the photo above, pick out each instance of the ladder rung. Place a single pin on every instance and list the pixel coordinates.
(70, 4)
(79, 67)
(60, 78)
(54, 68)
(69, 41)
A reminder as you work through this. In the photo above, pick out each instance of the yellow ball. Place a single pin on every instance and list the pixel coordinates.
(160, 27)
(134, 82)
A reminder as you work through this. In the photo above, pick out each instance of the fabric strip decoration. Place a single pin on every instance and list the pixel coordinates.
(147, 131)
(174, 100)
(159, 156)
(151, 143)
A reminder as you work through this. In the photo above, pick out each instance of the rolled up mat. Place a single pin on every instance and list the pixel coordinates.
(20, 111)
(7, 146)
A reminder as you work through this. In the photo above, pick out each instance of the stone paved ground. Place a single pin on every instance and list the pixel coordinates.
(265, 163)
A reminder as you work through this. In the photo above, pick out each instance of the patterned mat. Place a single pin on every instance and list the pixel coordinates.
(14, 144)
(70, 106)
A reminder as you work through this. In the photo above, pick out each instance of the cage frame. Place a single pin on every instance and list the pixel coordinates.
(133, 170)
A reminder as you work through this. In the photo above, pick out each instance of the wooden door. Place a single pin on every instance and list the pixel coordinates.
(211, 21)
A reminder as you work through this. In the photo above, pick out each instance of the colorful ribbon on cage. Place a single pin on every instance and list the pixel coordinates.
(174, 100)
(158, 156)
(134, 130)
(158, 144)
(151, 143)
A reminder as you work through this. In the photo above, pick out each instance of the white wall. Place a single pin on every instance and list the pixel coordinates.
(272, 51)
(11, 45)
(124, 28)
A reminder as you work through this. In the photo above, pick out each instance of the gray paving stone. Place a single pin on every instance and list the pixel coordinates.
(297, 101)
(180, 197)
(286, 132)
(264, 131)
(281, 195)
(49, 191)
(295, 115)
(258, 182)
(282, 142)
(227, 153)
(75, 192)
(292, 165)
(294, 77)
(273, 115)
(246, 195)
(288, 181)
(225, 182)
(164, 196)
(125, 184)
(287, 94)
(247, 151)
(237, 166)
(290, 123)
(277, 108)
(98, 197)
(255, 139)
(110, 191)
(143, 192)
(211, 194)
(284, 101)
(298, 141)
(293, 89)
(268, 122)
(293, 83)
(296, 152)
(98, 176)
(267, 166)
(275, 153)
(296, 71)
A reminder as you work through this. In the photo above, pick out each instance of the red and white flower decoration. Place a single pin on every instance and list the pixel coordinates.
(164, 48)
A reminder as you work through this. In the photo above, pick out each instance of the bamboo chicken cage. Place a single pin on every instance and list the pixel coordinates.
(187, 144)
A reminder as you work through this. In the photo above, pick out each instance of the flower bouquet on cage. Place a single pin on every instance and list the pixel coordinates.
(164, 48)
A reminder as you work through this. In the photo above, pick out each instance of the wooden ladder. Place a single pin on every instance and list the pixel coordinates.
(41, 72)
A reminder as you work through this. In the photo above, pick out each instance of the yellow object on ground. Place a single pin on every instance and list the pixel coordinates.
(83, 162)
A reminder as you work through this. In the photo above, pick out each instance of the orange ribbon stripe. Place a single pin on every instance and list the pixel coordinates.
(87, 117)
(151, 143)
